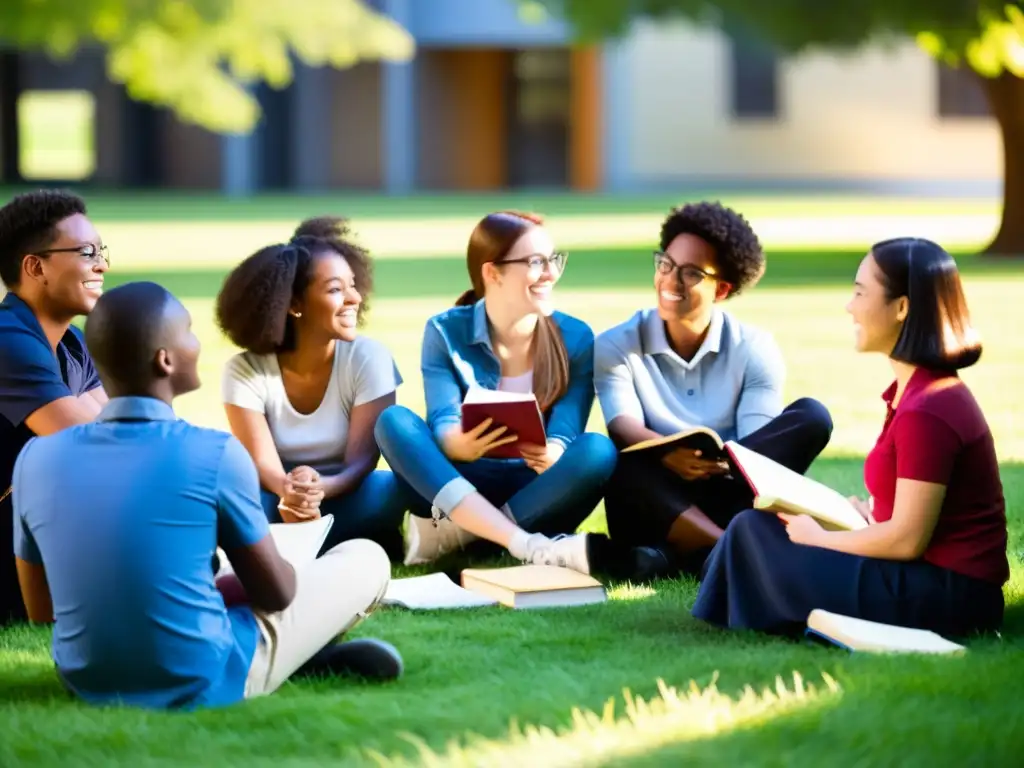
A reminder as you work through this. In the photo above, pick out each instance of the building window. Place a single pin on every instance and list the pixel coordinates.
(57, 135)
(959, 93)
(754, 81)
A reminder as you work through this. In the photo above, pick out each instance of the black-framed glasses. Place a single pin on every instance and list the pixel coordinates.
(686, 274)
(538, 263)
(89, 251)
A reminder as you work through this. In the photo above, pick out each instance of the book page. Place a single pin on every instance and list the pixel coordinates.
(698, 436)
(483, 395)
(862, 635)
(298, 543)
(432, 592)
(776, 485)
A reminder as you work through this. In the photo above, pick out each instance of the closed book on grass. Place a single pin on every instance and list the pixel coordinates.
(534, 586)
(518, 412)
(872, 636)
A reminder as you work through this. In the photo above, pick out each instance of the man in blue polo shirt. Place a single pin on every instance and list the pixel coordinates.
(687, 363)
(118, 552)
(52, 262)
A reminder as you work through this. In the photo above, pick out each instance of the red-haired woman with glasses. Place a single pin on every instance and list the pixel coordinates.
(503, 334)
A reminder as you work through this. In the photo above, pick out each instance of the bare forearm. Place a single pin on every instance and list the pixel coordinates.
(880, 540)
(349, 478)
(272, 479)
(627, 431)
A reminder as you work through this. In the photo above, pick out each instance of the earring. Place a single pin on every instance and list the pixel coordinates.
(296, 314)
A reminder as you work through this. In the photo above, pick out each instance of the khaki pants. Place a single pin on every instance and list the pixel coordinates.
(332, 595)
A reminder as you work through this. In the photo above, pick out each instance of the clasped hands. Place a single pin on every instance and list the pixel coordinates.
(474, 444)
(303, 492)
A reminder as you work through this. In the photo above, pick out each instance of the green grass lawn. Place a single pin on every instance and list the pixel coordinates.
(496, 687)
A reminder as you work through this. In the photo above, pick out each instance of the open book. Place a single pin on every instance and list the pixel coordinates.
(861, 635)
(703, 439)
(775, 488)
(298, 543)
(431, 592)
(516, 411)
(779, 489)
(534, 586)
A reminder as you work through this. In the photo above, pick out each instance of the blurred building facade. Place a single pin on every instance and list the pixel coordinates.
(492, 101)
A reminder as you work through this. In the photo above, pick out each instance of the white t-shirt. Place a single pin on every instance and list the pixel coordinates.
(523, 383)
(363, 371)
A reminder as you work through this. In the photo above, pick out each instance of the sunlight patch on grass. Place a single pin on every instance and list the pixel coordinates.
(671, 717)
(629, 591)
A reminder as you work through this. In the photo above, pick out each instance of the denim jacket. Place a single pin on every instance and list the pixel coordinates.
(457, 355)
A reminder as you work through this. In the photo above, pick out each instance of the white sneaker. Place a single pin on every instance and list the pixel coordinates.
(565, 551)
(428, 538)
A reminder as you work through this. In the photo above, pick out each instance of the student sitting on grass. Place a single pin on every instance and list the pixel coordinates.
(687, 363)
(503, 334)
(934, 554)
(118, 552)
(53, 262)
(304, 396)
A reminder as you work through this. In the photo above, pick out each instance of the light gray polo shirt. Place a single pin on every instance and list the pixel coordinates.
(732, 385)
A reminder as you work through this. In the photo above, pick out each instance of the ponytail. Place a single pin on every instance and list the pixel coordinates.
(550, 363)
(467, 298)
(253, 303)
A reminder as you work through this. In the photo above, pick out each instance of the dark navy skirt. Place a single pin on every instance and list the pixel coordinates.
(756, 578)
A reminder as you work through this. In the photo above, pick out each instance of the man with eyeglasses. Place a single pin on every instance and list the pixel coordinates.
(687, 363)
(53, 263)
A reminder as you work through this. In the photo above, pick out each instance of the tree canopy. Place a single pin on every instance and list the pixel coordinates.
(196, 57)
(988, 35)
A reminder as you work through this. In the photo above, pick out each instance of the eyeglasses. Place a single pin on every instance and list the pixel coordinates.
(89, 252)
(537, 263)
(687, 274)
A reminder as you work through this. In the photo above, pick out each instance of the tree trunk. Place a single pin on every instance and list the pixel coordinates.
(1006, 97)
(10, 89)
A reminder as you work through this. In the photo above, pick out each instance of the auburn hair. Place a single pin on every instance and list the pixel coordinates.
(491, 240)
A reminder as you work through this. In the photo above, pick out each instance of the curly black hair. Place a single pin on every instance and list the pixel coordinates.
(252, 307)
(738, 253)
(28, 222)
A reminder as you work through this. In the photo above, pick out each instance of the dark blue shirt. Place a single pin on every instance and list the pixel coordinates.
(31, 377)
(126, 538)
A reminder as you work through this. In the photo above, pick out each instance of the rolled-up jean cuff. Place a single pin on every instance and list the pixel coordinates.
(452, 494)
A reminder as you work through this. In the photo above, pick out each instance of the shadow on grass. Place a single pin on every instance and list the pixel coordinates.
(604, 270)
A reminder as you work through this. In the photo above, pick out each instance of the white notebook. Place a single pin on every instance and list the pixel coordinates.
(431, 592)
(861, 635)
(298, 543)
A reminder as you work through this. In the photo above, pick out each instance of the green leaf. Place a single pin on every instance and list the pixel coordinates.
(196, 57)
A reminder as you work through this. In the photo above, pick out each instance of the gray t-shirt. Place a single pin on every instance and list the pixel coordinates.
(733, 384)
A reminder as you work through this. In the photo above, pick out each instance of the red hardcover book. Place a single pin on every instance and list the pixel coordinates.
(516, 411)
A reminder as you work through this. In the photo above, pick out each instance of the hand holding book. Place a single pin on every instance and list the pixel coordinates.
(864, 507)
(473, 444)
(690, 464)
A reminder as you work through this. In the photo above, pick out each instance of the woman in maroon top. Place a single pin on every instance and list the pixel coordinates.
(934, 553)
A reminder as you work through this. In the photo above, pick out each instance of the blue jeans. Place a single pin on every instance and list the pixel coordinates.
(555, 501)
(374, 510)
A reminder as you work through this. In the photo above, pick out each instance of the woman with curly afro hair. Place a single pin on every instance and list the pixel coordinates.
(304, 394)
(688, 363)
